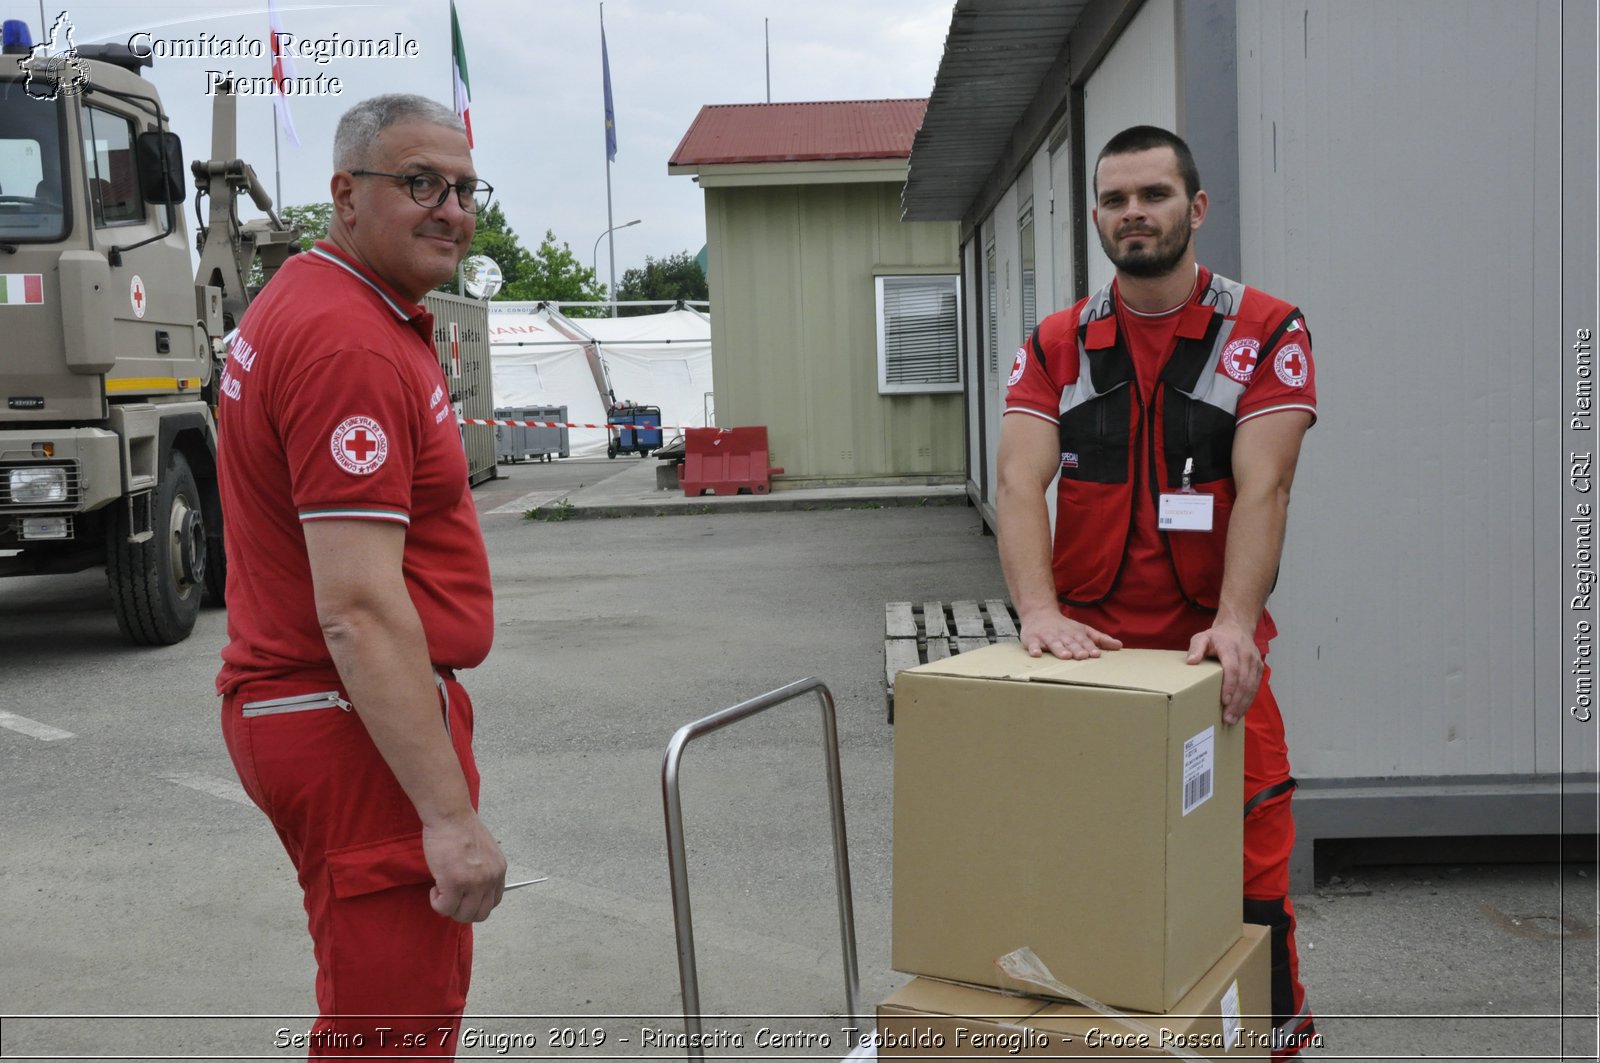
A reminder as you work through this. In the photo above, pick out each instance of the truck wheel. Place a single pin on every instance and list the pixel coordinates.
(156, 585)
(216, 560)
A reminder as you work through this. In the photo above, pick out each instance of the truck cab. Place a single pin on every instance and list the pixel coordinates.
(109, 343)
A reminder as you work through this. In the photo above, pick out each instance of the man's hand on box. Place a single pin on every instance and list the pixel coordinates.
(1048, 630)
(1235, 649)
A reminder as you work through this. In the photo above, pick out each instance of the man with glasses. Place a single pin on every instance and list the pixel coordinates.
(358, 584)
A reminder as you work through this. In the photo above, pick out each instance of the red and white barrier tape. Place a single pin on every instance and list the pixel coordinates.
(574, 424)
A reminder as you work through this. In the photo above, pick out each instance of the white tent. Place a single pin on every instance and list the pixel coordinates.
(541, 358)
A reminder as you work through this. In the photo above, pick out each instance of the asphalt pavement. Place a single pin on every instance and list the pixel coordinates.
(140, 886)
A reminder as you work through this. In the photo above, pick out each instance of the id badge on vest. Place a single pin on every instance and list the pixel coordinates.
(1185, 509)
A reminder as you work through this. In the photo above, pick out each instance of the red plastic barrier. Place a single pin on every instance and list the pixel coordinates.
(726, 461)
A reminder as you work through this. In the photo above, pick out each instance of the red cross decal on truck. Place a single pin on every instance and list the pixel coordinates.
(136, 295)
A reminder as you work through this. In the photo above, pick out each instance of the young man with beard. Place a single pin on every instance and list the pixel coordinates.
(358, 584)
(1172, 404)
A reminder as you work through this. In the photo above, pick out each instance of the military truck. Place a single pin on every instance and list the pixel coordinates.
(110, 342)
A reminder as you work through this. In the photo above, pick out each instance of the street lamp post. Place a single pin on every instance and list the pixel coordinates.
(611, 255)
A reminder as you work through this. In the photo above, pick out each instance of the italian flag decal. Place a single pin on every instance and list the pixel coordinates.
(21, 288)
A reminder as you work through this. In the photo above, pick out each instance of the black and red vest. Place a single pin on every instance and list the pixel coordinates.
(1191, 417)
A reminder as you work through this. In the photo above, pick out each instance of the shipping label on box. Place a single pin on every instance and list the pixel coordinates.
(1090, 810)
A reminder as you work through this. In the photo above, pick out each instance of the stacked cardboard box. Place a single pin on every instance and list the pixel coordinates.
(1088, 810)
(1222, 1017)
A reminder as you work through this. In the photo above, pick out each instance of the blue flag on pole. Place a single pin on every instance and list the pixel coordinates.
(611, 114)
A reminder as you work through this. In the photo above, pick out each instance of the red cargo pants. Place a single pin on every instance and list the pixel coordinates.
(1268, 842)
(392, 973)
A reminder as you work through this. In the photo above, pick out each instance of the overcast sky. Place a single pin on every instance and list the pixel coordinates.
(537, 110)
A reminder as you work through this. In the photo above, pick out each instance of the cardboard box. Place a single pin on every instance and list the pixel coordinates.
(1066, 806)
(1226, 1016)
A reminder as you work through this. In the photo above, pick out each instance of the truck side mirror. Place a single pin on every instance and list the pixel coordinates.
(160, 161)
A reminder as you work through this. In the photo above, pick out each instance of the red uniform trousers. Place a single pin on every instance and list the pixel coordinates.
(392, 973)
(1268, 842)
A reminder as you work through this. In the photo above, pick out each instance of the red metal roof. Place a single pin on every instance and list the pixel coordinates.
(800, 132)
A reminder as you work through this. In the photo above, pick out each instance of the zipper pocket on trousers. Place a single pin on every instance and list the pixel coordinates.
(328, 699)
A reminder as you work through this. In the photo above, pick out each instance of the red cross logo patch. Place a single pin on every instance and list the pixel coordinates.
(359, 445)
(1239, 359)
(1292, 365)
(1018, 365)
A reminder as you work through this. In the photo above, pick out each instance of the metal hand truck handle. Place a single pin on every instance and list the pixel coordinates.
(677, 860)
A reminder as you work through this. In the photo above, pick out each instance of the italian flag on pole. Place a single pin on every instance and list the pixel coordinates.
(21, 288)
(463, 91)
(282, 68)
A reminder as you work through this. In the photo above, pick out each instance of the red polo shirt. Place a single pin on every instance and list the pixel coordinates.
(334, 407)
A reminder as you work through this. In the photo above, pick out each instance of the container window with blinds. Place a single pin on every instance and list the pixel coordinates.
(992, 281)
(919, 341)
(1030, 294)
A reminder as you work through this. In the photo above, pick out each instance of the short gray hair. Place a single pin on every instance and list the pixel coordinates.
(361, 124)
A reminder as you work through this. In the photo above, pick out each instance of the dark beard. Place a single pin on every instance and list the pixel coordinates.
(1153, 261)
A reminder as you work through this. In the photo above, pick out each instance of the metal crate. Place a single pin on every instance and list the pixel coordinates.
(514, 443)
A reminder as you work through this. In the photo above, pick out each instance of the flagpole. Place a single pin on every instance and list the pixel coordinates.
(611, 235)
(461, 267)
(282, 76)
(277, 170)
(461, 97)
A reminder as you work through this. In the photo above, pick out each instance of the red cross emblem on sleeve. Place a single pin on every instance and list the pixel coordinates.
(1292, 365)
(1239, 359)
(359, 445)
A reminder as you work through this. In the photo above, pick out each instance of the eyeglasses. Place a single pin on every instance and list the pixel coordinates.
(429, 189)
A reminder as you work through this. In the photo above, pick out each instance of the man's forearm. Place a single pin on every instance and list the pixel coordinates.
(1254, 547)
(382, 657)
(1023, 536)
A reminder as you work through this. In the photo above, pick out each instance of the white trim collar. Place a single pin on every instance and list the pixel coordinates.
(399, 311)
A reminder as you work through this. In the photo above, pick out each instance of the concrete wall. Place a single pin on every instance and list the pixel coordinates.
(1136, 84)
(1400, 181)
(794, 343)
(1415, 208)
(1421, 180)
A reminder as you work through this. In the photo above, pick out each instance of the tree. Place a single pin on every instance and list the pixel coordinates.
(312, 218)
(496, 239)
(556, 275)
(674, 277)
(551, 274)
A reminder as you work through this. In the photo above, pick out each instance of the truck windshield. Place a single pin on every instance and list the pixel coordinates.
(30, 167)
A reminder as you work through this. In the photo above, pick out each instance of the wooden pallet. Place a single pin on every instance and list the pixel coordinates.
(918, 632)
